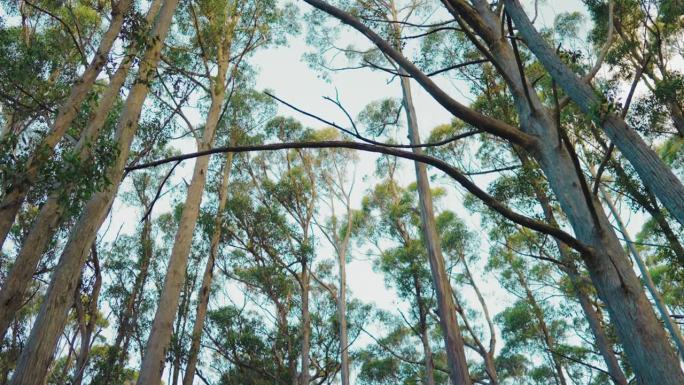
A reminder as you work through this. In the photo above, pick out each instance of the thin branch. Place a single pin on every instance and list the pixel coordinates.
(156, 196)
(371, 141)
(84, 60)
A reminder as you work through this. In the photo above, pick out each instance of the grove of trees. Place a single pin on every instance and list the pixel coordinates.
(163, 219)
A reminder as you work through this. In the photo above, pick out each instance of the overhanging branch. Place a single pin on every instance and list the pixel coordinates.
(454, 173)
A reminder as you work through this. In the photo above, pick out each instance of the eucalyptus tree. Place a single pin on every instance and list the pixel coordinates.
(35, 357)
(339, 231)
(268, 261)
(254, 264)
(87, 160)
(653, 172)
(126, 290)
(246, 111)
(461, 249)
(291, 180)
(225, 34)
(644, 340)
(391, 16)
(15, 190)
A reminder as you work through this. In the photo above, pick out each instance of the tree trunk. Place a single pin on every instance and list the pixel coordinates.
(342, 312)
(653, 172)
(160, 334)
(603, 343)
(117, 352)
(424, 332)
(51, 213)
(16, 193)
(207, 277)
(487, 355)
(87, 333)
(304, 375)
(601, 338)
(52, 317)
(548, 339)
(671, 326)
(642, 337)
(453, 340)
(181, 321)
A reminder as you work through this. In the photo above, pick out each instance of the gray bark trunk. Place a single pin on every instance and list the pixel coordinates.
(207, 277)
(342, 315)
(304, 375)
(671, 326)
(601, 338)
(424, 332)
(160, 335)
(653, 172)
(453, 340)
(35, 359)
(642, 337)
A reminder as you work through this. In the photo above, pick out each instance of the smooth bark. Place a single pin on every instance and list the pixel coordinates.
(642, 337)
(342, 308)
(160, 334)
(453, 340)
(207, 277)
(52, 317)
(671, 326)
(304, 282)
(603, 343)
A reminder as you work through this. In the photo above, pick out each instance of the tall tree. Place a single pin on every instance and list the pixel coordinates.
(34, 360)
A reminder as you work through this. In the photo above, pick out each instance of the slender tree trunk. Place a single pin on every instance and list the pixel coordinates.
(304, 375)
(548, 339)
(653, 172)
(342, 311)
(160, 334)
(87, 332)
(181, 321)
(118, 351)
(424, 332)
(207, 277)
(671, 326)
(453, 340)
(16, 193)
(34, 361)
(51, 213)
(487, 355)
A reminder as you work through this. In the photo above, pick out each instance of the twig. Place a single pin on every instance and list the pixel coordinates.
(156, 196)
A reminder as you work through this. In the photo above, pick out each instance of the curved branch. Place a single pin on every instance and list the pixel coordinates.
(454, 173)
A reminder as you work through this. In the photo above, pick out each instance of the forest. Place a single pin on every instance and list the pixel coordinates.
(373, 192)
